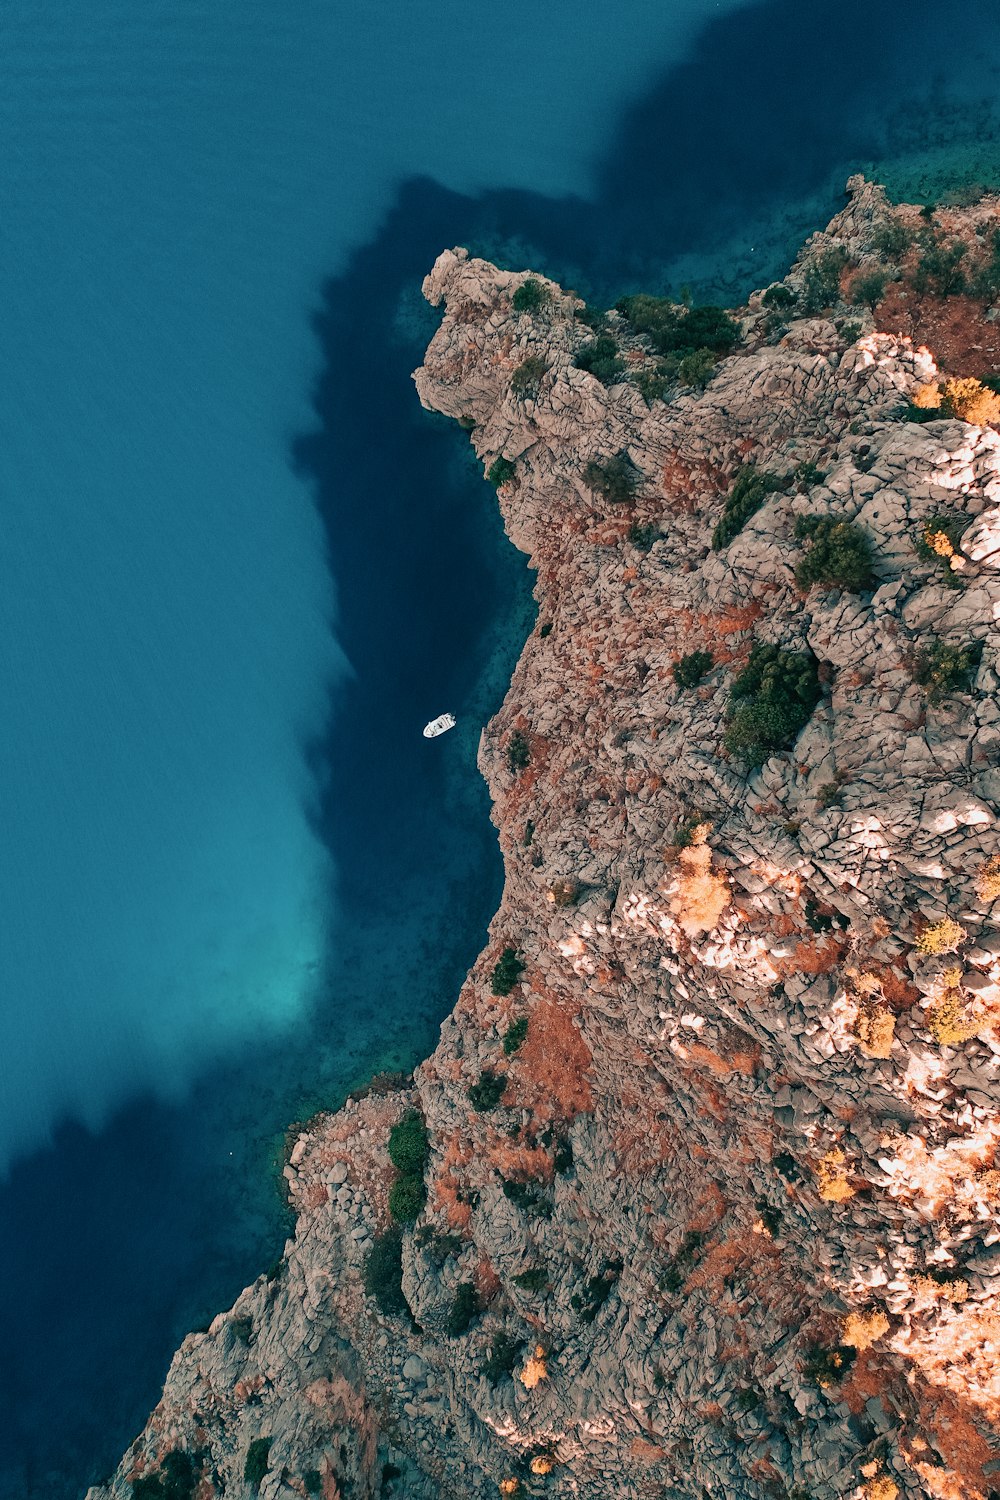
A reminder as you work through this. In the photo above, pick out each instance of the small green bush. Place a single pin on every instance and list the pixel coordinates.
(825, 1367)
(407, 1197)
(697, 368)
(943, 669)
(176, 1479)
(529, 1197)
(652, 383)
(839, 555)
(601, 359)
(408, 1144)
(778, 297)
(868, 289)
(562, 1158)
(821, 283)
(595, 1292)
(515, 1035)
(312, 1481)
(503, 1357)
(383, 1273)
(750, 489)
(688, 672)
(939, 271)
(518, 752)
(985, 281)
(614, 479)
(487, 1093)
(772, 700)
(592, 317)
(806, 474)
(530, 296)
(507, 972)
(528, 376)
(257, 1459)
(464, 1310)
(501, 471)
(642, 537)
(674, 329)
(534, 1280)
(892, 239)
(911, 412)
(937, 542)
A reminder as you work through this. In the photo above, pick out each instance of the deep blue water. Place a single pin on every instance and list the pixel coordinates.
(240, 566)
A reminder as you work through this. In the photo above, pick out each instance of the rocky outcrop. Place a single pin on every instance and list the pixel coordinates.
(720, 1215)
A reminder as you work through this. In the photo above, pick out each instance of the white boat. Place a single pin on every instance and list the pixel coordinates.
(440, 725)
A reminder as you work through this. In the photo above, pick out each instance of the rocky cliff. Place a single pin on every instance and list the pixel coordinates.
(710, 1173)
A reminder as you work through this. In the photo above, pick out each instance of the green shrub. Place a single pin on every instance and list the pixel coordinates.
(825, 1367)
(806, 474)
(839, 555)
(503, 1357)
(911, 412)
(652, 384)
(176, 1479)
(464, 1310)
(772, 699)
(312, 1481)
(242, 1329)
(943, 669)
(527, 377)
(507, 972)
(601, 359)
(518, 751)
(530, 296)
(438, 1248)
(596, 1291)
(673, 329)
(868, 289)
(257, 1459)
(892, 239)
(501, 471)
(407, 1197)
(515, 1035)
(383, 1273)
(487, 1093)
(939, 270)
(937, 542)
(408, 1144)
(689, 671)
(614, 479)
(534, 1280)
(697, 368)
(821, 283)
(778, 297)
(751, 488)
(642, 537)
(985, 282)
(592, 317)
(528, 1197)
(562, 1158)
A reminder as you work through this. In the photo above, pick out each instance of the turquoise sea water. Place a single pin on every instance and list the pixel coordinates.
(240, 567)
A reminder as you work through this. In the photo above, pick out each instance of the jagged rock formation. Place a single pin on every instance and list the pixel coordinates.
(726, 1217)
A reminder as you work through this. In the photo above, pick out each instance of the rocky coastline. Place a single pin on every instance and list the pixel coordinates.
(698, 1193)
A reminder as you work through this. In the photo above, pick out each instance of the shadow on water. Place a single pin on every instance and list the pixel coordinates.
(112, 1244)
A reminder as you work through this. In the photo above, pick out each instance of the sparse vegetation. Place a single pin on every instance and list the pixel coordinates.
(601, 359)
(407, 1197)
(530, 296)
(868, 288)
(566, 891)
(176, 1479)
(515, 1035)
(937, 542)
(944, 669)
(257, 1460)
(408, 1144)
(642, 537)
(988, 879)
(750, 489)
(688, 672)
(772, 700)
(503, 1358)
(697, 368)
(939, 269)
(312, 1481)
(464, 1310)
(383, 1273)
(534, 1280)
(614, 479)
(828, 1366)
(838, 555)
(487, 1093)
(518, 752)
(528, 376)
(945, 936)
(821, 283)
(892, 239)
(507, 972)
(501, 471)
(834, 1177)
(595, 1292)
(778, 298)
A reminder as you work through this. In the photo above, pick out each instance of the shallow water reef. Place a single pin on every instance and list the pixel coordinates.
(697, 1193)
